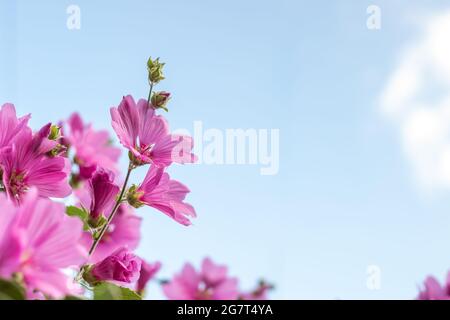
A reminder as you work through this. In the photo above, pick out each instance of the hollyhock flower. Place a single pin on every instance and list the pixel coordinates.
(148, 272)
(37, 241)
(211, 283)
(147, 136)
(10, 126)
(433, 290)
(163, 194)
(124, 231)
(25, 164)
(92, 148)
(121, 267)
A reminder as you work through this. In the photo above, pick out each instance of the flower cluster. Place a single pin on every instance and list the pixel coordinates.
(210, 283)
(41, 240)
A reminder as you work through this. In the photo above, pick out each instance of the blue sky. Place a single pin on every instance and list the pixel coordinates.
(345, 197)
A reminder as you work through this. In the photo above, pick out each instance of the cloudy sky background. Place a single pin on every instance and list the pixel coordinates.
(364, 119)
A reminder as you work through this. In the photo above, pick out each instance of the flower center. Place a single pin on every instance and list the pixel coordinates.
(147, 150)
(204, 292)
(17, 184)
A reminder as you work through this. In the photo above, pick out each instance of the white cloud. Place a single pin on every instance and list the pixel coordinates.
(417, 99)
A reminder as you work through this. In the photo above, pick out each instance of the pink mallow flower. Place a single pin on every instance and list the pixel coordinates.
(432, 289)
(147, 136)
(148, 272)
(26, 164)
(163, 194)
(211, 283)
(10, 126)
(121, 267)
(37, 241)
(93, 148)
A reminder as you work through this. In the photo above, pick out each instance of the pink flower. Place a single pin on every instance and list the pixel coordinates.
(211, 283)
(124, 231)
(122, 267)
(10, 126)
(148, 272)
(25, 165)
(92, 148)
(37, 240)
(434, 291)
(102, 193)
(163, 194)
(147, 136)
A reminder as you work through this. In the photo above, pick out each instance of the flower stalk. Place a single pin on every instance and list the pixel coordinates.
(119, 200)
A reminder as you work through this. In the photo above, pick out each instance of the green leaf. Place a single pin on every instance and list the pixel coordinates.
(73, 211)
(10, 290)
(109, 291)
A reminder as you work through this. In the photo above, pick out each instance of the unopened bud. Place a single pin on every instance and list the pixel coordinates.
(160, 99)
(155, 73)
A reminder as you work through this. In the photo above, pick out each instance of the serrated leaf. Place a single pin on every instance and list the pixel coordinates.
(109, 291)
(10, 290)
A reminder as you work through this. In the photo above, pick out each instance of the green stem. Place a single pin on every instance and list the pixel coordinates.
(113, 212)
(150, 93)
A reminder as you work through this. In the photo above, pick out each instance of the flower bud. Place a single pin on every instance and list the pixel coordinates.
(155, 73)
(159, 100)
(121, 266)
(133, 197)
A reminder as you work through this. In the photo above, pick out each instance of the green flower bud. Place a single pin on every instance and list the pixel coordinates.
(133, 197)
(155, 73)
(159, 100)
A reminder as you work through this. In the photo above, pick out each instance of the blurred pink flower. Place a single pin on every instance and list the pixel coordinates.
(37, 240)
(165, 195)
(25, 165)
(92, 148)
(211, 283)
(147, 136)
(122, 267)
(10, 126)
(124, 231)
(433, 290)
(148, 272)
